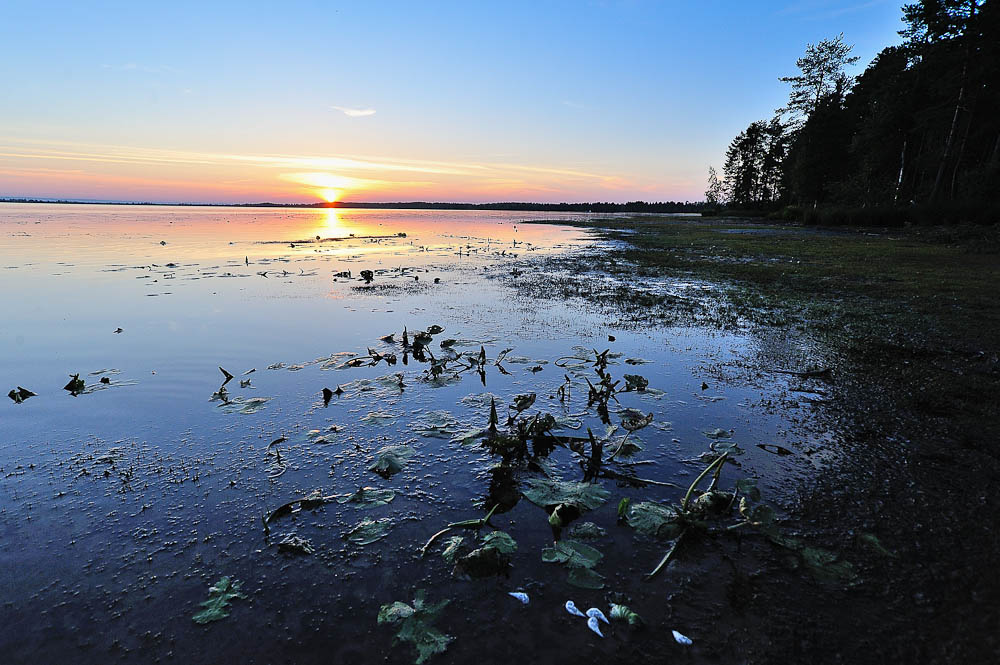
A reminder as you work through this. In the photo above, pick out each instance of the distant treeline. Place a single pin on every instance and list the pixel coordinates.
(914, 139)
(603, 207)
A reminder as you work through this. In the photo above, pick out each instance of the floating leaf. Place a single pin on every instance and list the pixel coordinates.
(436, 424)
(217, 605)
(774, 448)
(20, 394)
(585, 578)
(871, 541)
(748, 486)
(634, 420)
(572, 553)
(729, 447)
(523, 402)
(434, 330)
(827, 565)
(367, 497)
(587, 531)
(545, 492)
(391, 460)
(718, 433)
(636, 382)
(470, 436)
(416, 625)
(368, 531)
(500, 541)
(579, 559)
(654, 519)
(245, 406)
(379, 418)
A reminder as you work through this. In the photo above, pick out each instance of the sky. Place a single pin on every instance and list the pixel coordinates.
(397, 101)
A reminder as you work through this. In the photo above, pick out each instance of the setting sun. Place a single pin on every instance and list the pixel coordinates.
(330, 195)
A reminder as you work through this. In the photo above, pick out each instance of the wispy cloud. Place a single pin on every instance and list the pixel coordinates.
(354, 113)
(147, 69)
(342, 172)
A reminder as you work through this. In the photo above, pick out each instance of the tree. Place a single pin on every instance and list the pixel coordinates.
(822, 70)
(752, 172)
(713, 195)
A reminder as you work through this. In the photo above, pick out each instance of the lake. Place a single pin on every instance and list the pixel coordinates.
(125, 498)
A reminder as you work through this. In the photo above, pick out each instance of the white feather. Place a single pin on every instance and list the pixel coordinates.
(595, 613)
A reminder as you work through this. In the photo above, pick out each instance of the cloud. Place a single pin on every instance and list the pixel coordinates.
(354, 113)
(342, 172)
(133, 67)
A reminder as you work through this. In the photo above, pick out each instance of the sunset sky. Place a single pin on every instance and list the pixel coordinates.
(386, 101)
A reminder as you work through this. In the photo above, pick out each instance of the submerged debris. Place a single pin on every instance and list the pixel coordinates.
(219, 596)
(292, 544)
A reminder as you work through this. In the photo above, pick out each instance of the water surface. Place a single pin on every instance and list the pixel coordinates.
(121, 505)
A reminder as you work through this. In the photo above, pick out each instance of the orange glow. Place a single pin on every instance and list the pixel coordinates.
(330, 195)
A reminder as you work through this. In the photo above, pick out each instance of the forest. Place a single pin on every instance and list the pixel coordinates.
(914, 139)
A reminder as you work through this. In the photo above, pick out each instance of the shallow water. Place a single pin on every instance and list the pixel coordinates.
(120, 506)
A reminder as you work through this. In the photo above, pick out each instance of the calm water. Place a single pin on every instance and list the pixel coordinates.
(120, 506)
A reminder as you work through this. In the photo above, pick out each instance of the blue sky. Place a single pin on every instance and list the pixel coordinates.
(397, 100)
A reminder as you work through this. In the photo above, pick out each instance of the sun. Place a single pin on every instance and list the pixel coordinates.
(330, 195)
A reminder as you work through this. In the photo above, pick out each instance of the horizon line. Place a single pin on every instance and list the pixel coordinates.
(345, 204)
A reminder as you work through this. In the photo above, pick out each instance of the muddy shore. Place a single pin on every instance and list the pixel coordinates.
(907, 323)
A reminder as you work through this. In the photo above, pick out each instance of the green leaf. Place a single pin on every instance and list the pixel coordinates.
(545, 492)
(217, 605)
(468, 437)
(587, 531)
(367, 497)
(394, 612)
(827, 565)
(871, 541)
(416, 626)
(391, 460)
(748, 486)
(571, 553)
(623, 507)
(718, 433)
(482, 562)
(368, 531)
(500, 541)
(585, 578)
(436, 424)
(654, 519)
(635, 382)
(623, 613)
(245, 406)
(523, 402)
(379, 418)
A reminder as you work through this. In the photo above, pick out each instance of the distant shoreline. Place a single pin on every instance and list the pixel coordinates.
(600, 207)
